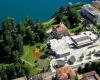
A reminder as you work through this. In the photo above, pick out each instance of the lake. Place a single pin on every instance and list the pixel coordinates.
(37, 9)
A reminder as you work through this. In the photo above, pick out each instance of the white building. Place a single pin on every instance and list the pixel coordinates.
(92, 12)
(61, 46)
(64, 46)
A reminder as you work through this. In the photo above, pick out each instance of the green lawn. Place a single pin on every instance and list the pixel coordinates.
(30, 60)
(28, 54)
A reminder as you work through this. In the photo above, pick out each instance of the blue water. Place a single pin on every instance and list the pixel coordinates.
(37, 9)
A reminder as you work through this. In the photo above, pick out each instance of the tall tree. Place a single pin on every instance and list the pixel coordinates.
(19, 43)
(30, 36)
(8, 38)
(40, 34)
(73, 17)
(21, 29)
(8, 24)
(7, 53)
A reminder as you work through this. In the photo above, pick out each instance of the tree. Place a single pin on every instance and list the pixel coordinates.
(8, 24)
(28, 21)
(12, 71)
(21, 29)
(8, 38)
(29, 37)
(73, 17)
(87, 67)
(7, 53)
(58, 18)
(19, 43)
(98, 28)
(15, 56)
(80, 69)
(39, 30)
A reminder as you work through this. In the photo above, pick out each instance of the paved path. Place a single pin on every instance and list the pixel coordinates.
(27, 62)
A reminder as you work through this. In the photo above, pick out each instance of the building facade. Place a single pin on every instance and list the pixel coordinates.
(92, 12)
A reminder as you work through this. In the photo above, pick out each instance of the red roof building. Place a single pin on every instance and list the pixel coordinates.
(65, 73)
(59, 31)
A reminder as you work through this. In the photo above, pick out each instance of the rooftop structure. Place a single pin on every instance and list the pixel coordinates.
(59, 30)
(89, 34)
(96, 4)
(59, 63)
(90, 76)
(65, 73)
(72, 60)
(81, 40)
(92, 11)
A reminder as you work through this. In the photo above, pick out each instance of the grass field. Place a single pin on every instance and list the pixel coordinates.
(34, 64)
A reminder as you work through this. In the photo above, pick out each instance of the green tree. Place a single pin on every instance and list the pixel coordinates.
(15, 56)
(73, 17)
(39, 30)
(19, 43)
(8, 24)
(8, 38)
(7, 53)
(30, 36)
(87, 67)
(80, 70)
(21, 28)
(98, 28)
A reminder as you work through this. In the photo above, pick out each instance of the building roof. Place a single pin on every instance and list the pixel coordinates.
(59, 30)
(59, 63)
(90, 76)
(89, 34)
(72, 60)
(96, 4)
(59, 46)
(80, 40)
(92, 10)
(21, 78)
(60, 27)
(65, 73)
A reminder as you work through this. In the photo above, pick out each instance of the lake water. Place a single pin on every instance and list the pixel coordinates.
(37, 9)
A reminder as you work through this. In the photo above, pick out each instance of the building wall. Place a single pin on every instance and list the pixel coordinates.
(98, 20)
(86, 14)
(93, 18)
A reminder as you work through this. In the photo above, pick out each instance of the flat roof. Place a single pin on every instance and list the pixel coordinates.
(60, 46)
(80, 40)
(91, 9)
